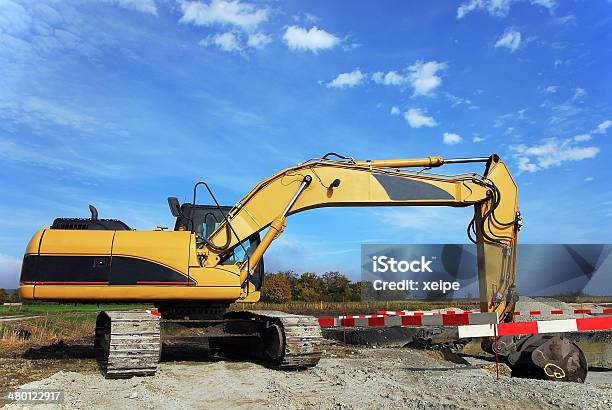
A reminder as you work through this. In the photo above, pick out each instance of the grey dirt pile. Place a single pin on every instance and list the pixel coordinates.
(544, 305)
(364, 378)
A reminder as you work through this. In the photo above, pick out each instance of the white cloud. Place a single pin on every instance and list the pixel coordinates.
(346, 80)
(57, 157)
(418, 220)
(458, 100)
(39, 114)
(510, 39)
(298, 38)
(478, 139)
(552, 89)
(579, 93)
(423, 77)
(570, 18)
(391, 78)
(517, 115)
(589, 179)
(552, 152)
(583, 138)
(258, 40)
(311, 18)
(9, 272)
(395, 110)
(559, 63)
(228, 42)
(145, 6)
(498, 8)
(232, 41)
(14, 18)
(549, 4)
(510, 131)
(417, 118)
(603, 127)
(450, 138)
(224, 12)
(525, 165)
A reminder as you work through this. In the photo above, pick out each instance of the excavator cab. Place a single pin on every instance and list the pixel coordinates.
(203, 220)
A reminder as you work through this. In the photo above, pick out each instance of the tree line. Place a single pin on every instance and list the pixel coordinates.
(286, 286)
(7, 297)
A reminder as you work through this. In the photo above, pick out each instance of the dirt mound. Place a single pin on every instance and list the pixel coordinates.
(544, 306)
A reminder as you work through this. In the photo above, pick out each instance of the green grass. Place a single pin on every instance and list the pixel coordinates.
(57, 308)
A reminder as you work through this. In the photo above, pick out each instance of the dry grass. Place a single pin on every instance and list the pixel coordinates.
(15, 335)
(337, 308)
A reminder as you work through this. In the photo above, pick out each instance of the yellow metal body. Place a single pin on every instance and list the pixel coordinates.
(330, 184)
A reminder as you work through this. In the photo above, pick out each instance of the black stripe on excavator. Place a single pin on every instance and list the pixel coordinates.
(97, 270)
(403, 189)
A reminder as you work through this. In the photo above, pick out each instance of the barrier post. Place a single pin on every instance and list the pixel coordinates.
(496, 351)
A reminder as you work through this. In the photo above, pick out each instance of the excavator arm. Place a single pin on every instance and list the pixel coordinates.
(327, 182)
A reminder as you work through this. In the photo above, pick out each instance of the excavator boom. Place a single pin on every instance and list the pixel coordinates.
(345, 182)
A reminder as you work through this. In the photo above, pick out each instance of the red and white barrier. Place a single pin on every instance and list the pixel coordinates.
(454, 319)
(417, 313)
(474, 324)
(471, 324)
(536, 327)
(606, 311)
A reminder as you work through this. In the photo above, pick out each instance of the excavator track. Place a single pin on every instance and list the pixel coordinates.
(289, 342)
(127, 344)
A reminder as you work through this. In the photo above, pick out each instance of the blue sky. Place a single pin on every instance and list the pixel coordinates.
(121, 103)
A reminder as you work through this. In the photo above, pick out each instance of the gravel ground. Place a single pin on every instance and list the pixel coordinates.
(363, 378)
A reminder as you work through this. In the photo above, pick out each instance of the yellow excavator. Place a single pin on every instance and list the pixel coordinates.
(214, 257)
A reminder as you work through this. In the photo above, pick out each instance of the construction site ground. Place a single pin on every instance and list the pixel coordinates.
(358, 378)
(375, 376)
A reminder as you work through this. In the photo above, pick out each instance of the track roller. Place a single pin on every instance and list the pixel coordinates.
(286, 341)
